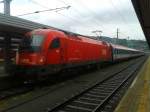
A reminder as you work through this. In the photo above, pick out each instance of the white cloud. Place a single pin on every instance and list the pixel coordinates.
(84, 16)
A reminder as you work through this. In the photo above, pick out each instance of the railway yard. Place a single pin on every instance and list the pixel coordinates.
(90, 91)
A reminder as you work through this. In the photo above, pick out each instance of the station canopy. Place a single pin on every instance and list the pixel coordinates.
(15, 25)
(142, 8)
(15, 28)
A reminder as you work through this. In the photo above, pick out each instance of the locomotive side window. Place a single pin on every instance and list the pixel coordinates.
(55, 43)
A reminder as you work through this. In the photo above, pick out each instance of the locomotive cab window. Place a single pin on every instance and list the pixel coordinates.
(31, 43)
(55, 43)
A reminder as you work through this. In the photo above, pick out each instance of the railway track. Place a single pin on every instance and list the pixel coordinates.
(62, 105)
(15, 87)
(102, 97)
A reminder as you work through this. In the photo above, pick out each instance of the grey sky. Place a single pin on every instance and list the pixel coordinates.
(84, 16)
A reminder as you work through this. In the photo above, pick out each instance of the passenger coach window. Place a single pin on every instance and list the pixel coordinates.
(55, 43)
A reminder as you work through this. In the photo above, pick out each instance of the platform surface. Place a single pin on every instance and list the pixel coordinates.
(137, 98)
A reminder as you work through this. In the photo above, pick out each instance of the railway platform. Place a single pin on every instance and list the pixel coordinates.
(137, 98)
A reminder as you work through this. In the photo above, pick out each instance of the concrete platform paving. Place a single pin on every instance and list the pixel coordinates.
(137, 99)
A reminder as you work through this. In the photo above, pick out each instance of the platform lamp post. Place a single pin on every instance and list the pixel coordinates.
(7, 7)
(7, 38)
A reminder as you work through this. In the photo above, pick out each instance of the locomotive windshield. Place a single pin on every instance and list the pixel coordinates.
(32, 43)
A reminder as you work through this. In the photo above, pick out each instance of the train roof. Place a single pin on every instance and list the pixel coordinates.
(86, 38)
(123, 47)
(66, 33)
(72, 35)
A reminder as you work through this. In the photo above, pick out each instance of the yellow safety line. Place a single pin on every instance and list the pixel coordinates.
(144, 98)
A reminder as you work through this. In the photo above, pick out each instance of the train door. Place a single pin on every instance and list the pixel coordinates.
(104, 53)
(114, 53)
(54, 52)
(63, 51)
(111, 50)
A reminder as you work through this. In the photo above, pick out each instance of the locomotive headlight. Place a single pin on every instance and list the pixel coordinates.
(41, 60)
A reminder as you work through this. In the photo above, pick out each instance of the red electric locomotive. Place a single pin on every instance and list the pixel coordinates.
(45, 51)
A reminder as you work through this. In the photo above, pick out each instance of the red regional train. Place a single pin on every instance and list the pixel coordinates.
(46, 51)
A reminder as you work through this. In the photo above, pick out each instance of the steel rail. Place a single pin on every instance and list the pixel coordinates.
(115, 90)
(85, 102)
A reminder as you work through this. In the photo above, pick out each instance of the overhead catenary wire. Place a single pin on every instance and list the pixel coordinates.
(77, 12)
(72, 6)
(97, 22)
(122, 15)
(123, 19)
(81, 15)
(117, 10)
(55, 9)
(66, 16)
(76, 19)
